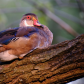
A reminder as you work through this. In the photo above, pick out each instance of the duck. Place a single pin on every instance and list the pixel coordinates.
(19, 41)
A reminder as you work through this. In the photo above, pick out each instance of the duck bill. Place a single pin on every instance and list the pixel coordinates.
(36, 23)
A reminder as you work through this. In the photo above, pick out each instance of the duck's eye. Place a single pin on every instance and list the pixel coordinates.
(28, 17)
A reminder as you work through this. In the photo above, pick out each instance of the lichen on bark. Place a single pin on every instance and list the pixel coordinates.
(57, 64)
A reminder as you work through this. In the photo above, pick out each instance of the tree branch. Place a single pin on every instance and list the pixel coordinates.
(55, 18)
(81, 7)
(57, 64)
(69, 16)
(65, 4)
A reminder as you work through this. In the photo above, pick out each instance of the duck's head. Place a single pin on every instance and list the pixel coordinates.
(29, 19)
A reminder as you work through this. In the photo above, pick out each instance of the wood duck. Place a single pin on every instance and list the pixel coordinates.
(17, 42)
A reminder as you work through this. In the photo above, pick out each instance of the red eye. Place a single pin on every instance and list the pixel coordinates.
(28, 17)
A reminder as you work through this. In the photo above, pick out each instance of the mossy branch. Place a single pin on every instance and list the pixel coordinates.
(57, 64)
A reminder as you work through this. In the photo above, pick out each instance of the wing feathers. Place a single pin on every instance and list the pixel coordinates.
(9, 35)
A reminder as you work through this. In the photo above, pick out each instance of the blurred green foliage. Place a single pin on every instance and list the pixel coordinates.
(69, 11)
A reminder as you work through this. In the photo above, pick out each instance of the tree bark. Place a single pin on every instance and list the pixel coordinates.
(57, 64)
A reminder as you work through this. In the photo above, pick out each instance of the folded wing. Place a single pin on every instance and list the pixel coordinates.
(13, 34)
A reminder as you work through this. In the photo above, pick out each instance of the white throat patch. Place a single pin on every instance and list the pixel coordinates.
(26, 23)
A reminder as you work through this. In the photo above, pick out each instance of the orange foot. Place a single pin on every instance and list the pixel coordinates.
(20, 57)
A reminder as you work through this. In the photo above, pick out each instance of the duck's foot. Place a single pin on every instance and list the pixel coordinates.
(20, 57)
